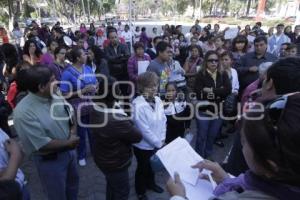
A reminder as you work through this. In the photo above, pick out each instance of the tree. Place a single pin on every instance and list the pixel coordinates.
(248, 7)
(10, 11)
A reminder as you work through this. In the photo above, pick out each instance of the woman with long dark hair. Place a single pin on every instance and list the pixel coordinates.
(31, 52)
(96, 60)
(212, 86)
(239, 47)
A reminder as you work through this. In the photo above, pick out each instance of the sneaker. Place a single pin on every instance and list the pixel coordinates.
(82, 162)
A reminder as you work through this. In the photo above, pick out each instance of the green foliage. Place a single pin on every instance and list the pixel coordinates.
(108, 5)
(34, 15)
(182, 6)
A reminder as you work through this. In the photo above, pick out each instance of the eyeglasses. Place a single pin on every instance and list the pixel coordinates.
(213, 60)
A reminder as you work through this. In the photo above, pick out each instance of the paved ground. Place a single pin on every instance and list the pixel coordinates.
(92, 182)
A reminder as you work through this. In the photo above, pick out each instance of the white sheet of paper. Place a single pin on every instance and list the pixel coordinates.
(179, 156)
(231, 33)
(202, 191)
(250, 38)
(142, 66)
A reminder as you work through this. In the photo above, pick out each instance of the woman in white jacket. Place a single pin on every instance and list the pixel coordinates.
(149, 117)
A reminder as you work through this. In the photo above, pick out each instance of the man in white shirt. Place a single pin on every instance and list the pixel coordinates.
(127, 35)
(276, 40)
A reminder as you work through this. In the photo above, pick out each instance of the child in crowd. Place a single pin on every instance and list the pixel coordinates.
(227, 66)
(230, 106)
(178, 113)
(292, 50)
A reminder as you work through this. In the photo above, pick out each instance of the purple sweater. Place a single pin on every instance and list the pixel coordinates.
(250, 181)
(144, 39)
(47, 59)
(132, 66)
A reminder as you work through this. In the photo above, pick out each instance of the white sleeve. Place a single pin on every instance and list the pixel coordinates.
(142, 122)
(288, 39)
(164, 123)
(177, 198)
(235, 81)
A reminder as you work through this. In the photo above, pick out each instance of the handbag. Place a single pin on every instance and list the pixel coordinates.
(230, 105)
(156, 164)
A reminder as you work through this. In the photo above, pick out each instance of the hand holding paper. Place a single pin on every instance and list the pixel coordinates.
(213, 168)
(179, 156)
(175, 186)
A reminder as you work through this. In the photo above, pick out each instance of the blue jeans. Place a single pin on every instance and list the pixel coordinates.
(207, 131)
(25, 193)
(59, 176)
(82, 132)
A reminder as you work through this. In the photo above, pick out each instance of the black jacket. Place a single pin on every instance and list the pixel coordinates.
(112, 142)
(151, 53)
(117, 61)
(220, 90)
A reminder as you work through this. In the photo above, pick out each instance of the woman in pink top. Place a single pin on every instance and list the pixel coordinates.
(133, 61)
(48, 58)
(82, 28)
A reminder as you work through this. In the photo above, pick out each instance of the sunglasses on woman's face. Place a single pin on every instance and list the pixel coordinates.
(213, 60)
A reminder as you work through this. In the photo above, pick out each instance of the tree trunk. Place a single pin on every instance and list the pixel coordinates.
(260, 9)
(194, 8)
(89, 10)
(227, 2)
(248, 7)
(211, 7)
(10, 14)
(99, 13)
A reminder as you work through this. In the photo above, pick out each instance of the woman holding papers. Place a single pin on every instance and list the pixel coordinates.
(149, 117)
(212, 86)
(136, 63)
(271, 147)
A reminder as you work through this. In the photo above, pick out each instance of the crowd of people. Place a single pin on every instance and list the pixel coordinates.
(131, 92)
